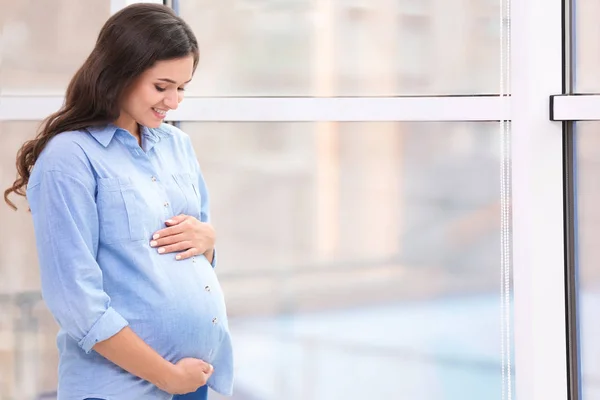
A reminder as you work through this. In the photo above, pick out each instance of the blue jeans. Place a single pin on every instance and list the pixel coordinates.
(200, 394)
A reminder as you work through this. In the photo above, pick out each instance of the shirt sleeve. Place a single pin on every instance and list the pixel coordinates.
(204, 195)
(66, 227)
(205, 207)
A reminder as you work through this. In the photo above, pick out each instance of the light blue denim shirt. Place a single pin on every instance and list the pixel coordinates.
(96, 199)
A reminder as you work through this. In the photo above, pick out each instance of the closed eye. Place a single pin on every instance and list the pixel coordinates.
(161, 89)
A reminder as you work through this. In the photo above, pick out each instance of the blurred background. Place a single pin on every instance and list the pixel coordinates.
(360, 260)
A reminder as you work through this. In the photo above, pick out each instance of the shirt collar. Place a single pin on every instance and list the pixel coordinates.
(105, 133)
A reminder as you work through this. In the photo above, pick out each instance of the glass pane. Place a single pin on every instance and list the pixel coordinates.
(45, 42)
(337, 48)
(28, 355)
(587, 228)
(587, 41)
(359, 252)
(366, 252)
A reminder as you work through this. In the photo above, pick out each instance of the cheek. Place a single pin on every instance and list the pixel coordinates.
(137, 101)
(144, 97)
(150, 97)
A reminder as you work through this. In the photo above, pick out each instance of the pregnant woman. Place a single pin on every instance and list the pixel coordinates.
(121, 217)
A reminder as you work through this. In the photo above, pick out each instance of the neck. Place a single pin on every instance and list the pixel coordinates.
(130, 125)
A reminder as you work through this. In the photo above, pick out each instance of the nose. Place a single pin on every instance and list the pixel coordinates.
(172, 100)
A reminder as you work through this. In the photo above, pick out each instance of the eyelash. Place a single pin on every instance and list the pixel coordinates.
(158, 88)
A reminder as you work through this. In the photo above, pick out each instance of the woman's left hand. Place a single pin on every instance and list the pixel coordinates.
(187, 235)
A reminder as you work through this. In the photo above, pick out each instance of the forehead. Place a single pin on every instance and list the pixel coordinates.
(179, 70)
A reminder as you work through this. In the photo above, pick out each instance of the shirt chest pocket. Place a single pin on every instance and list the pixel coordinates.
(189, 189)
(119, 211)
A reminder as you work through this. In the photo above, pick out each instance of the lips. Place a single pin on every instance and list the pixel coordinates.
(159, 113)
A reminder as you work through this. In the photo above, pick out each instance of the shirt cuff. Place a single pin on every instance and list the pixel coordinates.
(214, 260)
(109, 324)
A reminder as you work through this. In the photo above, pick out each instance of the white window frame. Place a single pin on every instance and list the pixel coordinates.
(538, 201)
(227, 109)
(538, 239)
(575, 107)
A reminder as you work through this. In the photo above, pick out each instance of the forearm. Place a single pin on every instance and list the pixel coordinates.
(127, 350)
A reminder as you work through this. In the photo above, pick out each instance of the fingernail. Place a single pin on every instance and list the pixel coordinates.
(178, 257)
(161, 250)
(153, 243)
(169, 221)
(156, 236)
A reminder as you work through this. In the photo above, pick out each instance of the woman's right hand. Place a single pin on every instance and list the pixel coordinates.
(187, 376)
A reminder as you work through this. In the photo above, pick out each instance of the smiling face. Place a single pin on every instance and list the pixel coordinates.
(157, 91)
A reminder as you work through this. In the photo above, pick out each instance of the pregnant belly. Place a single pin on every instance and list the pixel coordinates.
(188, 318)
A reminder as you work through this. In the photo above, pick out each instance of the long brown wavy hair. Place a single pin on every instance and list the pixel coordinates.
(129, 43)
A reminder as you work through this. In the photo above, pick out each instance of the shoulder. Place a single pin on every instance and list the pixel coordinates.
(181, 139)
(64, 153)
(168, 130)
(182, 145)
(66, 150)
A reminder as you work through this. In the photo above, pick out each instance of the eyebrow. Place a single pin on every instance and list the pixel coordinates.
(171, 81)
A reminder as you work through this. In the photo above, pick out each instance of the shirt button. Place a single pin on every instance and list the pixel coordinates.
(214, 321)
(166, 204)
(153, 179)
(207, 288)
